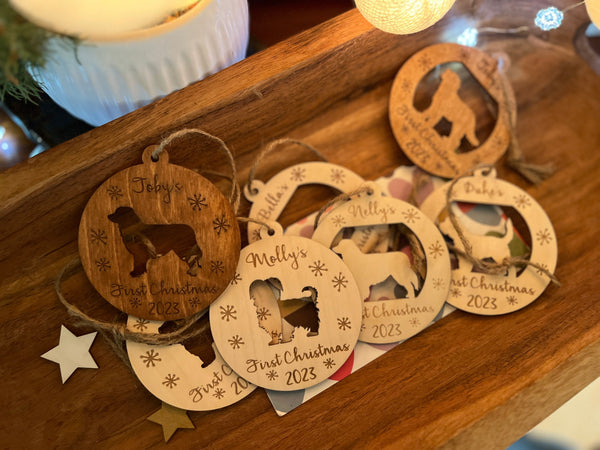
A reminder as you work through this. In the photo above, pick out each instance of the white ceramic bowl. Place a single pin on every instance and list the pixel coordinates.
(105, 79)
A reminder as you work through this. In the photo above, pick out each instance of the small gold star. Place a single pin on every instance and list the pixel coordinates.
(171, 419)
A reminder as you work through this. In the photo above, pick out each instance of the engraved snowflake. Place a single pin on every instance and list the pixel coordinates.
(405, 85)
(236, 341)
(135, 302)
(438, 283)
(318, 268)
(221, 225)
(236, 278)
(339, 282)
(197, 201)
(540, 270)
(411, 215)
(522, 201)
(544, 236)
(344, 323)
(512, 300)
(329, 363)
(263, 313)
(271, 375)
(219, 393)
(425, 62)
(436, 249)
(298, 174)
(217, 267)
(171, 380)
(151, 357)
(194, 302)
(414, 322)
(103, 264)
(141, 324)
(404, 129)
(256, 234)
(338, 220)
(337, 176)
(455, 292)
(114, 192)
(228, 312)
(98, 236)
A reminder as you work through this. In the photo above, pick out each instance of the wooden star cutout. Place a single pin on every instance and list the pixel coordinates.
(72, 352)
(171, 419)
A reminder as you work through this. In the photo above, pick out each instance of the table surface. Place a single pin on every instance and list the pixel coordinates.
(467, 381)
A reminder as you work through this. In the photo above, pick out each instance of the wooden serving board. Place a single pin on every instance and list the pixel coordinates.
(467, 381)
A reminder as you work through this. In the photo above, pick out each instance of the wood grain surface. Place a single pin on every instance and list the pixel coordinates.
(465, 382)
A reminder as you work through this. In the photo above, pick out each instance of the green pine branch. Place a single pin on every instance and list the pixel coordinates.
(22, 45)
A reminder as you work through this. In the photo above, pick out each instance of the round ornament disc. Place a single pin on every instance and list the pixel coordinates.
(485, 294)
(269, 199)
(392, 320)
(291, 316)
(177, 377)
(416, 130)
(158, 240)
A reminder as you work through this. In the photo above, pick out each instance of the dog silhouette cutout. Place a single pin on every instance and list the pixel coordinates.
(370, 269)
(484, 247)
(280, 318)
(147, 241)
(447, 104)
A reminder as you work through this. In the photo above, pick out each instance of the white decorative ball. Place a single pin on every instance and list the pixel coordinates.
(593, 9)
(403, 16)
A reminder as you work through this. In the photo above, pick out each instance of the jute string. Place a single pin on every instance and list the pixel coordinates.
(116, 331)
(488, 267)
(415, 246)
(270, 147)
(343, 197)
(234, 195)
(534, 173)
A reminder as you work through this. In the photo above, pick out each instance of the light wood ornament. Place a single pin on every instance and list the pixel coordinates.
(487, 294)
(176, 376)
(176, 276)
(414, 130)
(259, 336)
(269, 199)
(388, 321)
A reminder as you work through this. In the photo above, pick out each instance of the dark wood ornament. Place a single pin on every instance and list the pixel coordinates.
(415, 130)
(158, 240)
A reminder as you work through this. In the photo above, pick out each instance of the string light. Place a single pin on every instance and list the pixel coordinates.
(549, 18)
(468, 37)
(403, 16)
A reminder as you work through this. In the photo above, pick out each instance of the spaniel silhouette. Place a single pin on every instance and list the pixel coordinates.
(280, 318)
(145, 241)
